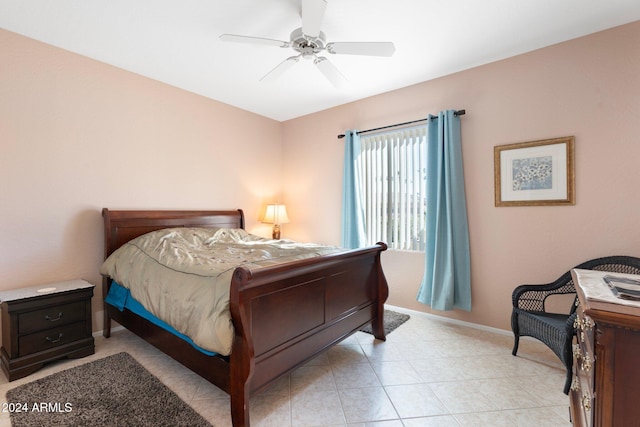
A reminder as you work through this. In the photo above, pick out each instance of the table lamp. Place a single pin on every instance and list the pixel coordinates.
(276, 215)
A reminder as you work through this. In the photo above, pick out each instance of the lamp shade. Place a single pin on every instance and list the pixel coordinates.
(276, 214)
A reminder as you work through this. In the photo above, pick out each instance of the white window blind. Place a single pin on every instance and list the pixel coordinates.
(393, 176)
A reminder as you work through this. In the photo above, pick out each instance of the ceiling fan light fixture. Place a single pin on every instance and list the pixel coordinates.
(298, 38)
(308, 54)
(308, 42)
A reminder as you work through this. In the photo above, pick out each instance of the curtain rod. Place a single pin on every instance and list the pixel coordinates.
(457, 113)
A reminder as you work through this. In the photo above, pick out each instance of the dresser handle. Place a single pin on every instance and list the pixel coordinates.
(575, 384)
(576, 351)
(50, 319)
(588, 324)
(586, 402)
(586, 363)
(54, 340)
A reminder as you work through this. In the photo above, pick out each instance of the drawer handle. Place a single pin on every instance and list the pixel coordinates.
(54, 340)
(51, 319)
(575, 384)
(577, 353)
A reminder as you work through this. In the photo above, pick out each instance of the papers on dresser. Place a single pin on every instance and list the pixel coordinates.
(599, 293)
(623, 287)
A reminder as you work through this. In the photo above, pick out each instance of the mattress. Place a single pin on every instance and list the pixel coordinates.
(182, 276)
(120, 297)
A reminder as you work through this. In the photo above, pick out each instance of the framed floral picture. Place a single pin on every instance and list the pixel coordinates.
(536, 173)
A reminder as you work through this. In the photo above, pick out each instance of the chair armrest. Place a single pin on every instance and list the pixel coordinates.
(528, 297)
(532, 297)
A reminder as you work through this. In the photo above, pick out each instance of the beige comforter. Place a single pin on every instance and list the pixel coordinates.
(183, 275)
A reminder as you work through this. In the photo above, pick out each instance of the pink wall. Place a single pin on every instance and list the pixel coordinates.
(77, 135)
(588, 87)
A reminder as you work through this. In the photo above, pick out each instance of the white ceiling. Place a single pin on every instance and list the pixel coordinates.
(176, 42)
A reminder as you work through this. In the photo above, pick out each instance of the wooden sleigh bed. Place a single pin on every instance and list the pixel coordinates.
(282, 315)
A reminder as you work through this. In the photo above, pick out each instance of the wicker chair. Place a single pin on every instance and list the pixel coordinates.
(556, 330)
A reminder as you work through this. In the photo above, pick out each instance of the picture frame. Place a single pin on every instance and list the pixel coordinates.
(536, 173)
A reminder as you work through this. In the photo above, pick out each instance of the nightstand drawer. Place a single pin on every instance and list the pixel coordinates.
(54, 337)
(51, 317)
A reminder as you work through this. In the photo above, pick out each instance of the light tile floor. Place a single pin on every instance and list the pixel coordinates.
(428, 373)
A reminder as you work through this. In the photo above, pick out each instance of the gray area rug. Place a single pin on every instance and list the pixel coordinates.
(392, 319)
(114, 391)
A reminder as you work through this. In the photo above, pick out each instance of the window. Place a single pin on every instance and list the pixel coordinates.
(393, 179)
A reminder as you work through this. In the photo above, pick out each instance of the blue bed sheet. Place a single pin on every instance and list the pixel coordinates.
(120, 298)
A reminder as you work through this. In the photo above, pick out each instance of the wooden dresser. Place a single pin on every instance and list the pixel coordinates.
(606, 357)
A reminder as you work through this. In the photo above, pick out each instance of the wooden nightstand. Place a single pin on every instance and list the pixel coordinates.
(44, 323)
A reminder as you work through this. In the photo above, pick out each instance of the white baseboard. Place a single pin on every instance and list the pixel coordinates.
(448, 320)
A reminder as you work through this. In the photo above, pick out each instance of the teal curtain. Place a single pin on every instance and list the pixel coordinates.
(353, 234)
(447, 279)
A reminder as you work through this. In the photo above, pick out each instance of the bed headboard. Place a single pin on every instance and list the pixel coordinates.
(122, 226)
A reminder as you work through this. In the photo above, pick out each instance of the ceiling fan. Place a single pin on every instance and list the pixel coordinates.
(308, 42)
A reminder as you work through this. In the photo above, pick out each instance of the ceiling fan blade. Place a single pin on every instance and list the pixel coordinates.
(312, 16)
(330, 72)
(362, 48)
(253, 40)
(280, 69)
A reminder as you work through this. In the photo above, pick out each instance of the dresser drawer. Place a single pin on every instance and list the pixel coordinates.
(54, 337)
(585, 327)
(582, 406)
(584, 350)
(51, 317)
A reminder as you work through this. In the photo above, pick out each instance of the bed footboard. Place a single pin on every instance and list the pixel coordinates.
(285, 315)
